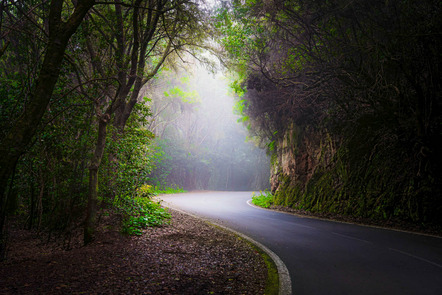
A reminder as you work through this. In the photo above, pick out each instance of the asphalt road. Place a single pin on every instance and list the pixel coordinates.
(325, 257)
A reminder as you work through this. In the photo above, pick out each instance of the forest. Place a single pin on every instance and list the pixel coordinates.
(347, 97)
(105, 102)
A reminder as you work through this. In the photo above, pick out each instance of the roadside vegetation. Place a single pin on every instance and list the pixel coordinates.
(140, 211)
(272, 284)
(263, 199)
(345, 96)
(167, 190)
(102, 108)
(100, 111)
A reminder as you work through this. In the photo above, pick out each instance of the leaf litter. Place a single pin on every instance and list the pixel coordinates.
(188, 256)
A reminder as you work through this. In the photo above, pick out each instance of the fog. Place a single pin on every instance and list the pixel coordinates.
(201, 144)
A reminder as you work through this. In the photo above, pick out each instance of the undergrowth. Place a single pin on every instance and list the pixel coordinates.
(167, 190)
(140, 212)
(263, 199)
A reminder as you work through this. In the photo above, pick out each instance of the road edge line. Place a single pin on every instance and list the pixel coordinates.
(249, 202)
(285, 283)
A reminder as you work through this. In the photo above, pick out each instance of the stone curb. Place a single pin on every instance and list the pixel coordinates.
(285, 283)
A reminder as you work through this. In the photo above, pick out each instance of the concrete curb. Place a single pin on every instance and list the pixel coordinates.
(285, 283)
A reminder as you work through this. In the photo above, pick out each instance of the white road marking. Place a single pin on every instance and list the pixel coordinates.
(285, 282)
(416, 257)
(353, 238)
(249, 202)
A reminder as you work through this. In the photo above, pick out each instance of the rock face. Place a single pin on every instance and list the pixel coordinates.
(313, 171)
(301, 152)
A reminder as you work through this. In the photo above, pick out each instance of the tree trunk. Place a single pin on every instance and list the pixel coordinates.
(91, 214)
(33, 201)
(19, 137)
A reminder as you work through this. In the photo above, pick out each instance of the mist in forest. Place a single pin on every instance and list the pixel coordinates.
(201, 144)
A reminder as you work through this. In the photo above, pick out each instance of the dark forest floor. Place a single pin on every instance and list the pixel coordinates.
(186, 257)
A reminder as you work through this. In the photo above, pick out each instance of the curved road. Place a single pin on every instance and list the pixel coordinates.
(325, 257)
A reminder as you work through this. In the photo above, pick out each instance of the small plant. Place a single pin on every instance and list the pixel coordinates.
(145, 190)
(263, 199)
(139, 213)
(167, 190)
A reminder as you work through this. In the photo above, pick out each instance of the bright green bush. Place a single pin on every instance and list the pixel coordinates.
(264, 199)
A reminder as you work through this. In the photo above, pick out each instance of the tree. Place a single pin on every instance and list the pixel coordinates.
(204, 145)
(345, 70)
(18, 138)
(138, 39)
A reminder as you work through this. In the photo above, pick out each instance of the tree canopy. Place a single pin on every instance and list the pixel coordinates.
(349, 91)
(99, 104)
(71, 76)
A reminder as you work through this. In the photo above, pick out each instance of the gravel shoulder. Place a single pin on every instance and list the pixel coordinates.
(188, 256)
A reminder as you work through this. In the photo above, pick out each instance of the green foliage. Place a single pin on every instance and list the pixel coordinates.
(146, 191)
(106, 63)
(271, 146)
(240, 110)
(51, 178)
(365, 72)
(167, 190)
(263, 199)
(240, 91)
(129, 158)
(201, 147)
(140, 212)
(184, 96)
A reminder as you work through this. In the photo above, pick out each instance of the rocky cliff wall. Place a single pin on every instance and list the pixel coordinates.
(298, 155)
(313, 172)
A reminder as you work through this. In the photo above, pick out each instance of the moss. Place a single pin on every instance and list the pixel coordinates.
(272, 282)
(366, 182)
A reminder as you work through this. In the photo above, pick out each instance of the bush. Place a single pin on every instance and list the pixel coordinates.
(167, 190)
(264, 199)
(140, 212)
(146, 191)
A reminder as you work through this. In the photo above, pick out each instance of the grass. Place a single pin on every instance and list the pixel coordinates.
(263, 199)
(272, 282)
(167, 190)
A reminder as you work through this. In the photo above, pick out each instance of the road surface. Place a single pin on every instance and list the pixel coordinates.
(325, 257)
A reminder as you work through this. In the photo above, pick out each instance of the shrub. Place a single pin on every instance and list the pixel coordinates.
(264, 199)
(140, 212)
